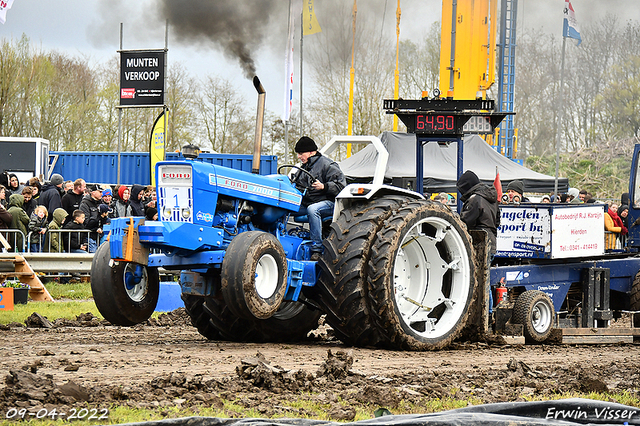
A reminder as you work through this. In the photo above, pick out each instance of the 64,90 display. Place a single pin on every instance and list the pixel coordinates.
(448, 124)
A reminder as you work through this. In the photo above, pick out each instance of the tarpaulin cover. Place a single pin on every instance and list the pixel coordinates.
(567, 412)
(441, 164)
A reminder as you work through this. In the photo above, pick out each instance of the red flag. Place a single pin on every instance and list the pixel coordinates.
(497, 184)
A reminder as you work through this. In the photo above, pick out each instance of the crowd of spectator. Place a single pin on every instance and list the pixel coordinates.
(37, 209)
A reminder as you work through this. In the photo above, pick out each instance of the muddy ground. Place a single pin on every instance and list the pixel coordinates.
(167, 363)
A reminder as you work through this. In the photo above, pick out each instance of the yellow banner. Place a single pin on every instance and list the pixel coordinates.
(309, 20)
(156, 145)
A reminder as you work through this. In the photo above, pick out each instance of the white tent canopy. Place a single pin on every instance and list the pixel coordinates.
(440, 164)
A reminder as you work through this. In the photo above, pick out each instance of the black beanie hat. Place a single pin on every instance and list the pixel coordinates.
(517, 186)
(305, 144)
(467, 181)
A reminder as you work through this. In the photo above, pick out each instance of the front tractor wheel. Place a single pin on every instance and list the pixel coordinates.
(125, 293)
(254, 275)
(422, 277)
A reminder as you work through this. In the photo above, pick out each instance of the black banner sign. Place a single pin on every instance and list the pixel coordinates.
(142, 78)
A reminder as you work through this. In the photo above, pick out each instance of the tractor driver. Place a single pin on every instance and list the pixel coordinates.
(318, 200)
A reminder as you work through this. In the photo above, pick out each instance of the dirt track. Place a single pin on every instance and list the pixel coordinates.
(171, 364)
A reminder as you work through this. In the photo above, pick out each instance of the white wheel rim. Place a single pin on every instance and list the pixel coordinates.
(432, 278)
(541, 317)
(139, 290)
(267, 276)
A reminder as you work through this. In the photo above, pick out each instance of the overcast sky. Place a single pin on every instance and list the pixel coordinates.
(90, 28)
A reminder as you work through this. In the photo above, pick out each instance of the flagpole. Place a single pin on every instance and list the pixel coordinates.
(352, 76)
(396, 86)
(301, 37)
(560, 118)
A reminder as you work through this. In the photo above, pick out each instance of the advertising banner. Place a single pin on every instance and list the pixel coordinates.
(550, 231)
(142, 77)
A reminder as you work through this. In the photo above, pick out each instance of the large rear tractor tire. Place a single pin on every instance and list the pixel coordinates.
(634, 296)
(422, 277)
(125, 293)
(534, 310)
(341, 290)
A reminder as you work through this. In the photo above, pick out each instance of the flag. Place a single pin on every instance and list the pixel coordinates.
(497, 184)
(4, 6)
(570, 27)
(288, 66)
(309, 20)
(156, 145)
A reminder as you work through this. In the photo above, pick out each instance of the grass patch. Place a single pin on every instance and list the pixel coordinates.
(51, 310)
(75, 291)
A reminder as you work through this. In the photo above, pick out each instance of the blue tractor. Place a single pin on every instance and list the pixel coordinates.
(397, 269)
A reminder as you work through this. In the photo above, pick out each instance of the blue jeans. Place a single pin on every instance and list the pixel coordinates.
(92, 246)
(316, 212)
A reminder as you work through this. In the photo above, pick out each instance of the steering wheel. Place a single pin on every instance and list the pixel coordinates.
(292, 166)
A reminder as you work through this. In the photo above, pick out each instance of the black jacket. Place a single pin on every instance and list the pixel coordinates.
(137, 208)
(73, 240)
(480, 209)
(71, 201)
(50, 198)
(326, 171)
(90, 208)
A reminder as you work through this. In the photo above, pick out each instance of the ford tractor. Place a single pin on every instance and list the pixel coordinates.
(397, 270)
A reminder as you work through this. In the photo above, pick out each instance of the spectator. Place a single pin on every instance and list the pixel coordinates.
(19, 220)
(515, 191)
(29, 203)
(103, 219)
(480, 209)
(121, 204)
(90, 207)
(613, 226)
(37, 228)
(589, 198)
(545, 199)
(53, 242)
(71, 199)
(36, 187)
(574, 196)
(136, 208)
(327, 182)
(152, 214)
(623, 213)
(75, 242)
(624, 199)
(107, 196)
(50, 197)
(15, 187)
(67, 186)
(3, 197)
(583, 195)
(5, 221)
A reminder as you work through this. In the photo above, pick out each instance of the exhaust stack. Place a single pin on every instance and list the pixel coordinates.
(257, 145)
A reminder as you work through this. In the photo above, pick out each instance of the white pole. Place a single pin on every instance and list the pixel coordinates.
(560, 119)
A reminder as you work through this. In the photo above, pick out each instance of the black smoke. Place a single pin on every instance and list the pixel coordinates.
(238, 27)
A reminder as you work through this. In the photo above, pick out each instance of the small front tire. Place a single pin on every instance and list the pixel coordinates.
(125, 293)
(534, 310)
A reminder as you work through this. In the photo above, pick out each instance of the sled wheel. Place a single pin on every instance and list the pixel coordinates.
(422, 277)
(254, 275)
(342, 290)
(634, 296)
(534, 310)
(125, 293)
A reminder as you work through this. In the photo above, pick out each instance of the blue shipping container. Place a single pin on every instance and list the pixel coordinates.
(102, 167)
